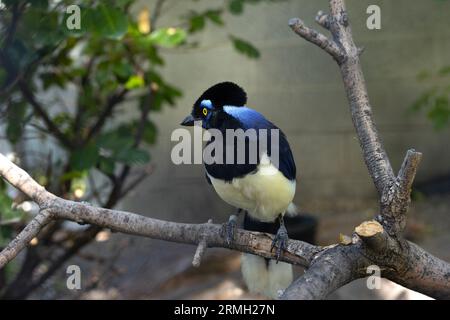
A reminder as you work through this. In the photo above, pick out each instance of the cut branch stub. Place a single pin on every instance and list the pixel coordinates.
(408, 171)
(396, 197)
(372, 234)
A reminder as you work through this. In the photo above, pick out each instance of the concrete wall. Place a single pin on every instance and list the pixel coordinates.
(299, 88)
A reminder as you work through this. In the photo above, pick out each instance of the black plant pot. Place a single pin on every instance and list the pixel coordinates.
(302, 227)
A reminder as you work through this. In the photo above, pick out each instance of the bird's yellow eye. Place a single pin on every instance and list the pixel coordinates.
(205, 111)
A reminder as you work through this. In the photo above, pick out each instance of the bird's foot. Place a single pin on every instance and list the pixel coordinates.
(280, 241)
(229, 229)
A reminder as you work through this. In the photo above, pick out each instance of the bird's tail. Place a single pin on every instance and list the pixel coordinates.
(292, 210)
(265, 276)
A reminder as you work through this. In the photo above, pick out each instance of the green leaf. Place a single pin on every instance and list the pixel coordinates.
(107, 165)
(41, 28)
(123, 3)
(168, 37)
(3, 77)
(16, 121)
(19, 54)
(236, 6)
(423, 75)
(68, 176)
(135, 82)
(152, 54)
(107, 21)
(123, 70)
(52, 78)
(444, 71)
(196, 23)
(113, 141)
(150, 132)
(84, 158)
(132, 156)
(6, 202)
(6, 234)
(245, 47)
(424, 100)
(440, 113)
(42, 4)
(215, 16)
(117, 146)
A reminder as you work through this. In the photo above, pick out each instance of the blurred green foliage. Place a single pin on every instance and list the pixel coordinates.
(435, 100)
(106, 54)
(110, 59)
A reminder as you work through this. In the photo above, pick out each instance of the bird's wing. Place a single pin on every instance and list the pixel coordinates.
(252, 119)
(286, 159)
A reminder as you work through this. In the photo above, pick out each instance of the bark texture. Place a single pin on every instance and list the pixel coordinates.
(376, 242)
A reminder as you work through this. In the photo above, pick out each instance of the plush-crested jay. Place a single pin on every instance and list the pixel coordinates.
(257, 185)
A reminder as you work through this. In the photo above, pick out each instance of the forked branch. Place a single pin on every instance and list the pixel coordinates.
(375, 242)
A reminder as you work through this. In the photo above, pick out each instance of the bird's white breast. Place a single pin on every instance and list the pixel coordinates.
(264, 194)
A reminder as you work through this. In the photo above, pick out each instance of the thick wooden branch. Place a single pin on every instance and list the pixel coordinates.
(374, 153)
(405, 262)
(374, 242)
(377, 242)
(373, 235)
(297, 252)
(329, 271)
(421, 271)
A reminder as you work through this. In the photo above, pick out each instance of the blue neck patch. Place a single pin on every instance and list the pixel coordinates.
(249, 118)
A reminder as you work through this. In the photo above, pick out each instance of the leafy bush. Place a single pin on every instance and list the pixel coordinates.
(112, 58)
(435, 100)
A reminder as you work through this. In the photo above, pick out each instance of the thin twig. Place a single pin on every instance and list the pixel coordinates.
(112, 102)
(316, 37)
(39, 109)
(24, 237)
(201, 249)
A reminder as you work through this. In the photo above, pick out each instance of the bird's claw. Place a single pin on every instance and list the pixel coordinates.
(280, 241)
(229, 230)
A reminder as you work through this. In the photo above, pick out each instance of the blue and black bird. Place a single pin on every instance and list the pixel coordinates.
(261, 188)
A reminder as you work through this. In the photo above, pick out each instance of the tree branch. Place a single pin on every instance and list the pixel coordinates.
(330, 267)
(113, 100)
(374, 243)
(316, 37)
(329, 271)
(421, 271)
(24, 237)
(396, 198)
(323, 19)
(40, 111)
(298, 252)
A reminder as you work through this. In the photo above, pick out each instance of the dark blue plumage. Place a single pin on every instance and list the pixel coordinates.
(236, 117)
(264, 188)
(225, 104)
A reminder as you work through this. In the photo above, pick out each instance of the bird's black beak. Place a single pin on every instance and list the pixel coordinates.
(188, 121)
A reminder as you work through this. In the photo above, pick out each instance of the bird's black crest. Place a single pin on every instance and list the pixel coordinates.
(224, 94)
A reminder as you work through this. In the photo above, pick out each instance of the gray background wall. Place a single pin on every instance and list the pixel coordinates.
(299, 88)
